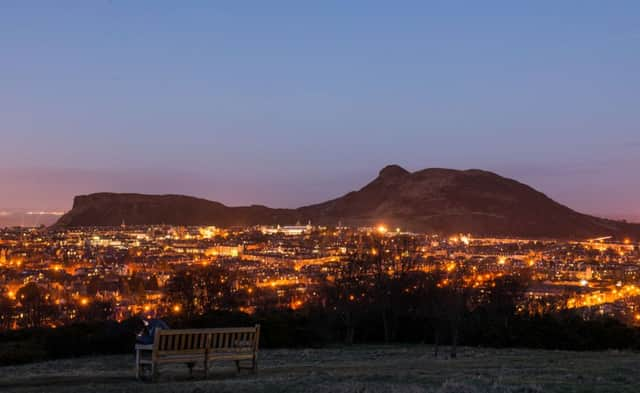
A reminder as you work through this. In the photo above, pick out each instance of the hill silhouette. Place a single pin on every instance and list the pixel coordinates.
(431, 200)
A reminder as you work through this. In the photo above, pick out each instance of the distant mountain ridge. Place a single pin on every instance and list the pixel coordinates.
(111, 209)
(431, 200)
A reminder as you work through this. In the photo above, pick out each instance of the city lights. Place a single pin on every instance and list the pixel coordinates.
(132, 271)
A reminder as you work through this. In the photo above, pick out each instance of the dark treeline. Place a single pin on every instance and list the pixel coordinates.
(318, 328)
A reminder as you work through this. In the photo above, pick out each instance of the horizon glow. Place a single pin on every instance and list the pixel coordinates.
(288, 104)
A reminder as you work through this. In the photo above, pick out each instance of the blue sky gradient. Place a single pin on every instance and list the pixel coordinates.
(287, 103)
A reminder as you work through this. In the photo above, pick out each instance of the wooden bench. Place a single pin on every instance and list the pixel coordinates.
(194, 346)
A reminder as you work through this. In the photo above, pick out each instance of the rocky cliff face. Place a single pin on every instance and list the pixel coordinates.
(109, 209)
(431, 200)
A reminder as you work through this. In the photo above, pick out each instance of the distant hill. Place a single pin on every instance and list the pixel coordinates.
(111, 209)
(431, 200)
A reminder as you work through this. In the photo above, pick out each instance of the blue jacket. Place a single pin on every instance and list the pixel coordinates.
(146, 337)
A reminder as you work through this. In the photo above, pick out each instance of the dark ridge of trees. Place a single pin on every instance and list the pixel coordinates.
(318, 327)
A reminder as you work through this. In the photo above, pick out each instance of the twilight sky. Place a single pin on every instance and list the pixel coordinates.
(287, 103)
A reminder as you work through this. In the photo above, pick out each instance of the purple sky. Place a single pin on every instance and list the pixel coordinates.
(285, 104)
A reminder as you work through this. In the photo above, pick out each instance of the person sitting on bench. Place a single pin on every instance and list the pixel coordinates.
(145, 337)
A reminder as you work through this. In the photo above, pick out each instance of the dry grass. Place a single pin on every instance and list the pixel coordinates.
(357, 369)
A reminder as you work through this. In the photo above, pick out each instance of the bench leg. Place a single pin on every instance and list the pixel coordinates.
(137, 364)
(253, 367)
(254, 364)
(206, 367)
(154, 372)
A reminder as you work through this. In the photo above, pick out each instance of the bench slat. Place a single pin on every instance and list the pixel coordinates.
(208, 330)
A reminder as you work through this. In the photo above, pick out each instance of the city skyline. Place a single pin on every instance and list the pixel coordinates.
(268, 105)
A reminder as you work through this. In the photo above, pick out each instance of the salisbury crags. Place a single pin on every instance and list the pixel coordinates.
(430, 200)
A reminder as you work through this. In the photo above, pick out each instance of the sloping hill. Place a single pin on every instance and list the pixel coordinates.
(110, 209)
(430, 200)
(446, 200)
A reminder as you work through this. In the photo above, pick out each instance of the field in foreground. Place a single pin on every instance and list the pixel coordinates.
(357, 369)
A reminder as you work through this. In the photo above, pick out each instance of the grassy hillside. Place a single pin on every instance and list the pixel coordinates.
(355, 369)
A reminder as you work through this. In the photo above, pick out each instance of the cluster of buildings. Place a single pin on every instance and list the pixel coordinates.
(71, 274)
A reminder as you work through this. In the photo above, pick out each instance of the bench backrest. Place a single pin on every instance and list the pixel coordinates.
(179, 341)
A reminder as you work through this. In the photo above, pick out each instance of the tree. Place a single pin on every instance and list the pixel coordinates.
(34, 305)
(423, 297)
(181, 292)
(96, 311)
(504, 294)
(449, 302)
(6, 312)
(216, 290)
(347, 295)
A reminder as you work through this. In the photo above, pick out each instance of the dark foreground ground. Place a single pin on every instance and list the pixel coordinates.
(356, 369)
